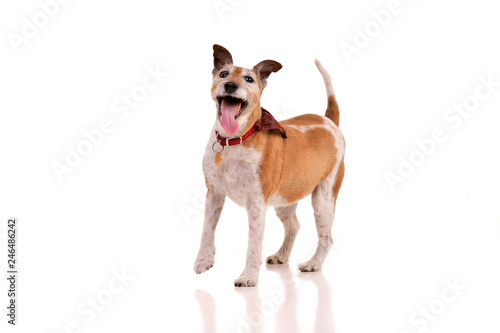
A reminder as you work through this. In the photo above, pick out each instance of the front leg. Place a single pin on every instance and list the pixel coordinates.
(256, 220)
(213, 208)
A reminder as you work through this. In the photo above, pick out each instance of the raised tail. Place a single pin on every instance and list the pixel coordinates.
(332, 110)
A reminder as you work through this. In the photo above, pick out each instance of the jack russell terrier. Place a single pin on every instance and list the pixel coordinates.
(258, 162)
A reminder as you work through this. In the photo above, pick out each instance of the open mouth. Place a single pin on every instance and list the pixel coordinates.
(230, 108)
(231, 104)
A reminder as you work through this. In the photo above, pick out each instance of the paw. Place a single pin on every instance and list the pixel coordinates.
(203, 264)
(244, 281)
(276, 259)
(310, 266)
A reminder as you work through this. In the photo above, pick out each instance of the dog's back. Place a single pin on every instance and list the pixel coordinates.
(292, 168)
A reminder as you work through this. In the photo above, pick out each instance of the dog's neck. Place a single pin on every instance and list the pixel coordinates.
(246, 121)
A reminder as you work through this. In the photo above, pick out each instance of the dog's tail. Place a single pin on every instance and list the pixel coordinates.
(332, 110)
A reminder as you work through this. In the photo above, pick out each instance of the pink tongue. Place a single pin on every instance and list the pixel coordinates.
(229, 111)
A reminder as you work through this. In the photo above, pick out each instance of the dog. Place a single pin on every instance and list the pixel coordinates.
(258, 162)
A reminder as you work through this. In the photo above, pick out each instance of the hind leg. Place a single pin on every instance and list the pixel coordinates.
(324, 197)
(291, 224)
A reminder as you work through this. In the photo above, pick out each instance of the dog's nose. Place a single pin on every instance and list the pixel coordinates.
(230, 87)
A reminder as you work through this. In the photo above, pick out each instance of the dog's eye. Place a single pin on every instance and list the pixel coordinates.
(248, 79)
(223, 74)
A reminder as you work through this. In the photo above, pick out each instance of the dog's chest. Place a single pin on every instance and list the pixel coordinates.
(237, 177)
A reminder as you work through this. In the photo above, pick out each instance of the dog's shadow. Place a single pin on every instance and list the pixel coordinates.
(279, 303)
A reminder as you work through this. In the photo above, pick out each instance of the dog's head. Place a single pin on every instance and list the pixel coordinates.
(237, 90)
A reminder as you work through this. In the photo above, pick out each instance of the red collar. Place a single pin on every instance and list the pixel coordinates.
(235, 141)
(266, 122)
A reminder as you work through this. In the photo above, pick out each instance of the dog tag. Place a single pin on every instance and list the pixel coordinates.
(218, 158)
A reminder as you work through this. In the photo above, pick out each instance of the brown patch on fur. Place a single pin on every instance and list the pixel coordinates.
(338, 180)
(294, 166)
(234, 75)
(332, 110)
(255, 114)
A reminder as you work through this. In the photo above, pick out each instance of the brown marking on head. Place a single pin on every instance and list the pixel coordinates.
(235, 75)
(250, 83)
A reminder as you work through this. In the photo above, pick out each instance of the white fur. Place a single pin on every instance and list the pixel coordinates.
(291, 225)
(276, 200)
(237, 177)
(328, 124)
(326, 78)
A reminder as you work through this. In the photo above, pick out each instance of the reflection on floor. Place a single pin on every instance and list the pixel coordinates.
(278, 310)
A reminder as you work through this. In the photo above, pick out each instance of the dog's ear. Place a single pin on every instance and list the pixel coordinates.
(265, 68)
(221, 57)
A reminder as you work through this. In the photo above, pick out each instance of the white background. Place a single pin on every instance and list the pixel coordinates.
(135, 203)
